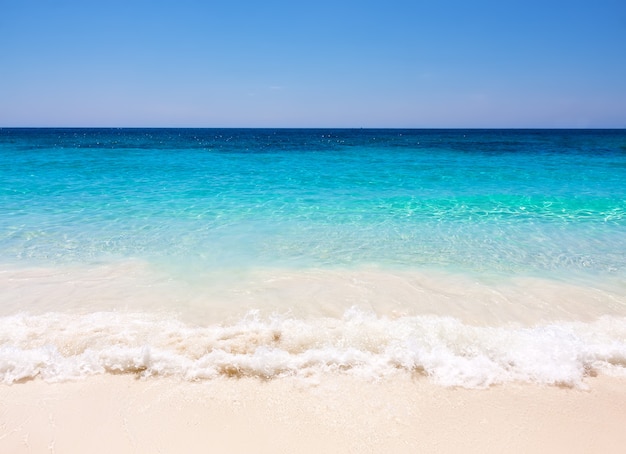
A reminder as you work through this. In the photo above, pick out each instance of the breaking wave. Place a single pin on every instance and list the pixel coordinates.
(58, 347)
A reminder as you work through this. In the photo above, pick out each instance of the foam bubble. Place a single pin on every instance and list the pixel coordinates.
(57, 347)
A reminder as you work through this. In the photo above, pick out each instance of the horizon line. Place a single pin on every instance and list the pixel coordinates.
(390, 128)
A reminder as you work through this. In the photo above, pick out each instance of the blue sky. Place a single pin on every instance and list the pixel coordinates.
(320, 63)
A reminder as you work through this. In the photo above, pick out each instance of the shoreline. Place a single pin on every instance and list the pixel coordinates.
(336, 413)
(135, 286)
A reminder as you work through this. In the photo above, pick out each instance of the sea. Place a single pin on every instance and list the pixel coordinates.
(470, 258)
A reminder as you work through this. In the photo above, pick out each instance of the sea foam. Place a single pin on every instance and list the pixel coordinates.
(58, 347)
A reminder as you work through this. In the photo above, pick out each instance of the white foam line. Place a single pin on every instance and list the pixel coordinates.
(59, 347)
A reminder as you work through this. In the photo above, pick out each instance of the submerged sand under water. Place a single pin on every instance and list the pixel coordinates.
(228, 295)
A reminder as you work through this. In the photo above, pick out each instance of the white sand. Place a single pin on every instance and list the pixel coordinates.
(121, 414)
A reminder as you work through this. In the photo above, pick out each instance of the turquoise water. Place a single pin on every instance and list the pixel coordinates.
(471, 257)
(486, 201)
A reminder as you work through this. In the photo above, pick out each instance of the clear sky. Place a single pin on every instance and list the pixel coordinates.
(319, 63)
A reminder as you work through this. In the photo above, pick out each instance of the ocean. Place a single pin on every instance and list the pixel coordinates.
(466, 257)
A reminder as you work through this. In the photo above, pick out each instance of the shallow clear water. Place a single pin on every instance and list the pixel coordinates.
(492, 201)
(489, 227)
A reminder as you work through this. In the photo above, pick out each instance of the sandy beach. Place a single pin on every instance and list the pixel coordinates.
(123, 414)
